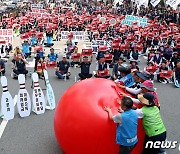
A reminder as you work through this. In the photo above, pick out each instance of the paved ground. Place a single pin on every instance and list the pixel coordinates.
(35, 134)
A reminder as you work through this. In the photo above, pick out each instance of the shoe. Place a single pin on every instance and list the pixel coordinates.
(67, 77)
(164, 82)
(163, 152)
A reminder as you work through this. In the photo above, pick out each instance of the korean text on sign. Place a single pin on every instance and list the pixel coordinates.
(7, 35)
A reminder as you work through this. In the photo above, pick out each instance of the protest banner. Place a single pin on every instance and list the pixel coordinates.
(78, 35)
(129, 19)
(7, 35)
(36, 6)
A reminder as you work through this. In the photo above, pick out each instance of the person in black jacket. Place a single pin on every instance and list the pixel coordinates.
(19, 65)
(174, 59)
(116, 73)
(102, 69)
(2, 67)
(63, 69)
(85, 69)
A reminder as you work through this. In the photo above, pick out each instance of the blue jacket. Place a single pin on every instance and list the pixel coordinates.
(126, 133)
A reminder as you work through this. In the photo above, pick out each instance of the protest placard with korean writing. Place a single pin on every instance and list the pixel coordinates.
(6, 35)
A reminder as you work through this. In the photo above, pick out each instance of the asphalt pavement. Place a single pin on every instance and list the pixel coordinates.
(35, 134)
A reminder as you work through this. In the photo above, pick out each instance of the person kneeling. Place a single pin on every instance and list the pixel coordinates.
(19, 65)
(85, 67)
(63, 69)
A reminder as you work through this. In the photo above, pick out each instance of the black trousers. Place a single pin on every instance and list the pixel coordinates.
(2, 72)
(17, 72)
(126, 149)
(84, 76)
(151, 150)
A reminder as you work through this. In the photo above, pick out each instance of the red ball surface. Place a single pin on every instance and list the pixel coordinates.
(82, 126)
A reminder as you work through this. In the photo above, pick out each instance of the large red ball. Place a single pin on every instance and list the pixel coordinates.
(82, 126)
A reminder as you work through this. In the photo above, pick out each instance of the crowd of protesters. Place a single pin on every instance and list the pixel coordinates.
(122, 50)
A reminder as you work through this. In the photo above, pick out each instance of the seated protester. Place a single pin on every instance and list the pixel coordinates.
(116, 73)
(126, 133)
(100, 54)
(49, 37)
(167, 52)
(134, 55)
(155, 41)
(85, 69)
(149, 41)
(134, 65)
(151, 68)
(144, 48)
(26, 49)
(163, 67)
(75, 57)
(33, 40)
(70, 48)
(2, 67)
(52, 56)
(152, 122)
(108, 57)
(3, 52)
(40, 54)
(19, 65)
(40, 66)
(63, 69)
(177, 74)
(102, 69)
(157, 59)
(8, 48)
(174, 59)
(116, 55)
(150, 54)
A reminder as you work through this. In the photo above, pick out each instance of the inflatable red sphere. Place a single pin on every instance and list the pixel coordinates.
(82, 126)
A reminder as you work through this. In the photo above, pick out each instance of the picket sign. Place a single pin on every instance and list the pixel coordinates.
(77, 35)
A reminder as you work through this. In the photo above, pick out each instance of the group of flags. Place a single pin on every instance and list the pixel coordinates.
(172, 3)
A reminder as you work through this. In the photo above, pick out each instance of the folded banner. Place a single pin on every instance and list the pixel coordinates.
(154, 2)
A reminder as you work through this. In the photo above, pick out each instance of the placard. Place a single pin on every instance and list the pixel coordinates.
(78, 35)
(96, 43)
(7, 35)
(36, 6)
(129, 19)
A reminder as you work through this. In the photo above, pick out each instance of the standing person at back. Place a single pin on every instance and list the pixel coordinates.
(126, 132)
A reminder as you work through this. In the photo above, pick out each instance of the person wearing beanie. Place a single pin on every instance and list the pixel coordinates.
(152, 122)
